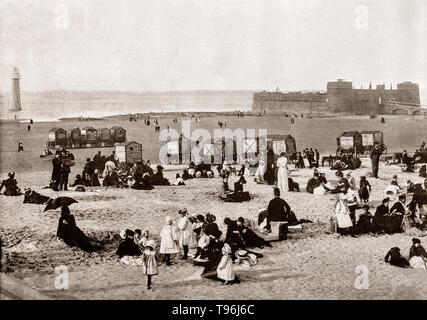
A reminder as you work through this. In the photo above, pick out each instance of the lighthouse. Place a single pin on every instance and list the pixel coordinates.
(15, 99)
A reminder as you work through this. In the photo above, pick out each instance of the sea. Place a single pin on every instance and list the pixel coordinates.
(53, 105)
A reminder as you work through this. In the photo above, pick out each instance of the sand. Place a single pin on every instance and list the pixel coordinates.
(309, 265)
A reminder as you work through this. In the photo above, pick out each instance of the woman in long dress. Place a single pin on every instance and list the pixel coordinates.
(282, 174)
(259, 174)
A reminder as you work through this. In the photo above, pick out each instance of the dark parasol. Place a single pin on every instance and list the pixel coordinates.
(56, 203)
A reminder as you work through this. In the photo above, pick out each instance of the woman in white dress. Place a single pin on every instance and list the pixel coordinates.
(282, 173)
(259, 174)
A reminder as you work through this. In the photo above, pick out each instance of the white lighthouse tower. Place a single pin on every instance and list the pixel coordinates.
(15, 99)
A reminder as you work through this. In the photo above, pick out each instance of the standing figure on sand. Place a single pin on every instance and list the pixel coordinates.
(375, 159)
(282, 173)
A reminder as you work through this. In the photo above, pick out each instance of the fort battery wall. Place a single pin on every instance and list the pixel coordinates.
(341, 97)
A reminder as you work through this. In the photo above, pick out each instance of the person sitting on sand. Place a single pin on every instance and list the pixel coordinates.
(198, 225)
(394, 257)
(313, 183)
(293, 186)
(232, 236)
(364, 224)
(10, 185)
(158, 179)
(417, 255)
(342, 185)
(383, 209)
(250, 238)
(399, 207)
(71, 234)
(202, 245)
(393, 188)
(351, 180)
(137, 236)
(128, 247)
(211, 228)
(186, 175)
(79, 181)
(277, 210)
(178, 181)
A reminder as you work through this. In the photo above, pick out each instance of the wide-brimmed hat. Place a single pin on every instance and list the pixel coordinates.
(416, 240)
(242, 254)
(183, 211)
(168, 220)
(159, 168)
(210, 217)
(151, 243)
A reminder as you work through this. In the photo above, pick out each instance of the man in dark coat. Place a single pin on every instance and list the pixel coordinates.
(65, 170)
(277, 210)
(375, 159)
(56, 171)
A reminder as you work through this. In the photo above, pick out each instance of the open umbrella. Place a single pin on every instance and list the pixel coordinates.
(53, 204)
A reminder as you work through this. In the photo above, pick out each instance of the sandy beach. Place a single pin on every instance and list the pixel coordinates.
(309, 265)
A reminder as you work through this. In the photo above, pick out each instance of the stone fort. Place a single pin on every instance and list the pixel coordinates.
(342, 97)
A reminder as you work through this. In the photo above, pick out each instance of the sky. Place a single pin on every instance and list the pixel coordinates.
(168, 45)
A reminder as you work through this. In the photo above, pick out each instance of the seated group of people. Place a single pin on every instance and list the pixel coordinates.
(236, 195)
(417, 256)
(133, 243)
(193, 171)
(211, 249)
(400, 217)
(318, 185)
(140, 176)
(346, 162)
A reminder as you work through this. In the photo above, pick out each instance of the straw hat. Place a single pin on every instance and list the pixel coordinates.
(183, 211)
(151, 243)
(242, 254)
(168, 220)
